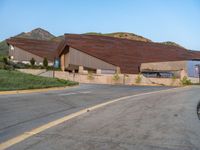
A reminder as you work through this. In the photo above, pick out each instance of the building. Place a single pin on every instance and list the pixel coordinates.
(23, 50)
(102, 54)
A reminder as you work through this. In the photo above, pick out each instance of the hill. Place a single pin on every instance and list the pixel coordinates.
(41, 34)
(124, 35)
(38, 34)
(171, 43)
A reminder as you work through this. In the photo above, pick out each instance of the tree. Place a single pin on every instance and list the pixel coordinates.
(45, 62)
(32, 61)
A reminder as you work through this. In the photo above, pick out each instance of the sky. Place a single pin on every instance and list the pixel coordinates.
(158, 20)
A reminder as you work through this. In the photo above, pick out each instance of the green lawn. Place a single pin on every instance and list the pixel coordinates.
(14, 80)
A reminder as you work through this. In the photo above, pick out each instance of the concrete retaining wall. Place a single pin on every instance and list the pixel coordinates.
(32, 71)
(129, 79)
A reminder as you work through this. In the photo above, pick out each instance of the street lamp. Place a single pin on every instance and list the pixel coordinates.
(198, 70)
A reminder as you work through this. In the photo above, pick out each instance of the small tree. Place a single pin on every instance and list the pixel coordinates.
(186, 81)
(45, 62)
(90, 76)
(116, 77)
(138, 79)
(32, 62)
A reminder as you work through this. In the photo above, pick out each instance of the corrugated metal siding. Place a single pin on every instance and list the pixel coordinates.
(82, 59)
(67, 60)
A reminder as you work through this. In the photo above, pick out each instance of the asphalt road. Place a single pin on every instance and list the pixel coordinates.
(164, 120)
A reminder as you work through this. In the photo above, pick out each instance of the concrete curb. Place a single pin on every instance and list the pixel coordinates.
(34, 90)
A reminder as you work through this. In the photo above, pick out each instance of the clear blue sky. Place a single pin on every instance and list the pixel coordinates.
(158, 20)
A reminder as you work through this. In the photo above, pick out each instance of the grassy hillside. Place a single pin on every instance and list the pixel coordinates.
(123, 35)
(3, 48)
(14, 80)
(171, 43)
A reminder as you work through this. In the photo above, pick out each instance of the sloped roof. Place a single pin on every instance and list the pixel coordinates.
(127, 54)
(40, 48)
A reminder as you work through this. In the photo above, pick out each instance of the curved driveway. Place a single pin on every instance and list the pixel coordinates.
(165, 120)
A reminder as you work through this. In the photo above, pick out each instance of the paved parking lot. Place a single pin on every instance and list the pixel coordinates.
(164, 120)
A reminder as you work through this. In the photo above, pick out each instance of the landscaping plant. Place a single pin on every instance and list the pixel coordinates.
(138, 79)
(32, 62)
(186, 81)
(45, 62)
(116, 77)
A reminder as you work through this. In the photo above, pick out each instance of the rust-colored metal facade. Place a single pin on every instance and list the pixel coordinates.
(40, 48)
(125, 54)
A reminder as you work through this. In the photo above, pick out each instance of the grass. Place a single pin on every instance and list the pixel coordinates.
(15, 80)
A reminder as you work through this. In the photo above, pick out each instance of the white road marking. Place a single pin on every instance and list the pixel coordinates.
(67, 94)
(85, 92)
(73, 93)
(44, 127)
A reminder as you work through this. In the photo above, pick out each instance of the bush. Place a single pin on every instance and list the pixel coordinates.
(173, 80)
(186, 81)
(32, 62)
(45, 62)
(116, 77)
(138, 79)
(2, 65)
(5, 60)
(90, 76)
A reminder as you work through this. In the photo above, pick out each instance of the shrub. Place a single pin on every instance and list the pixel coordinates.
(116, 77)
(2, 65)
(45, 62)
(90, 76)
(173, 80)
(138, 79)
(186, 81)
(32, 62)
(5, 60)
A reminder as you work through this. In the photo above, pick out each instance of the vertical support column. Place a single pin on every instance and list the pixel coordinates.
(98, 71)
(80, 69)
(118, 71)
(62, 62)
(183, 74)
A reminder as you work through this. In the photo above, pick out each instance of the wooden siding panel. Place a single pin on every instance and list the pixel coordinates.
(79, 58)
(22, 55)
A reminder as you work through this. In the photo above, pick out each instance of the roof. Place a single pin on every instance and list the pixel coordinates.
(127, 54)
(124, 53)
(40, 48)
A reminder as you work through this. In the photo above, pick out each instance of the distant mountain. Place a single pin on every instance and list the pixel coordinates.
(38, 34)
(41, 34)
(123, 35)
